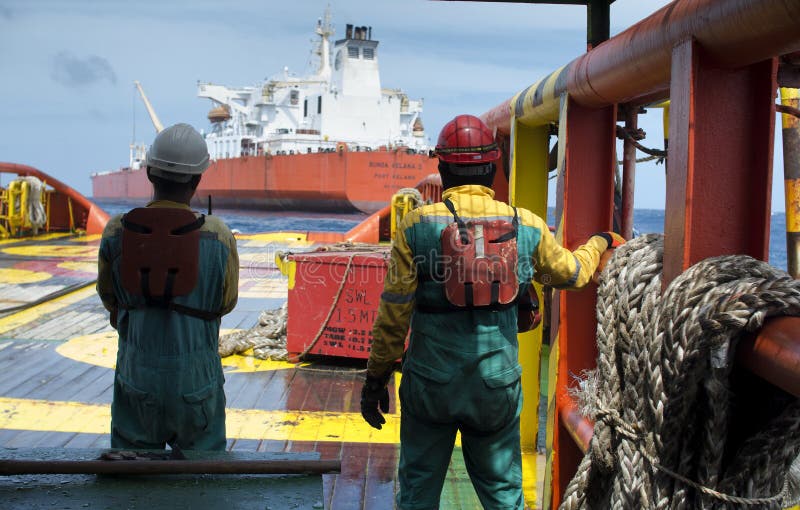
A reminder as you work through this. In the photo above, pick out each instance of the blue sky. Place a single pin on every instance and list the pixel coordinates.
(68, 66)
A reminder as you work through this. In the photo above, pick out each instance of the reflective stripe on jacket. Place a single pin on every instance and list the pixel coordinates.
(411, 278)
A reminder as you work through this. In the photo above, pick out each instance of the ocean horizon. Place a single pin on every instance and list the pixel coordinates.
(252, 221)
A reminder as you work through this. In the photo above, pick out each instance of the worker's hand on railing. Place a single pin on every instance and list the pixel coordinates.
(374, 393)
(613, 241)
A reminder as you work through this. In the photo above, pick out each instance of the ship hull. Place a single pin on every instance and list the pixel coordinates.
(330, 181)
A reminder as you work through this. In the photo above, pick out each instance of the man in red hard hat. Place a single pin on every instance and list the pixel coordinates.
(456, 271)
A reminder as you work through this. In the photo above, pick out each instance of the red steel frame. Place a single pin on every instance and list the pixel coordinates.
(722, 123)
(588, 207)
(716, 61)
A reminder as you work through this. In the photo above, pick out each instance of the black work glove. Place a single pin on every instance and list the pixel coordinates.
(373, 394)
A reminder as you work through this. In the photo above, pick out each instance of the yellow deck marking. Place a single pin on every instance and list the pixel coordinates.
(265, 287)
(83, 267)
(264, 260)
(24, 317)
(246, 362)
(89, 238)
(100, 349)
(59, 250)
(77, 417)
(44, 237)
(271, 237)
(11, 276)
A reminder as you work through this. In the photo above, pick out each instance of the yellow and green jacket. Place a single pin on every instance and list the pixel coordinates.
(217, 285)
(411, 289)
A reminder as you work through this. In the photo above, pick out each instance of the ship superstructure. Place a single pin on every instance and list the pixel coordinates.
(332, 141)
(342, 102)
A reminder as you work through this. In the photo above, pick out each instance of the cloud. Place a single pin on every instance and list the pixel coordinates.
(72, 71)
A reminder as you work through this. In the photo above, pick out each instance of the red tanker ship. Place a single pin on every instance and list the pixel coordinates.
(332, 141)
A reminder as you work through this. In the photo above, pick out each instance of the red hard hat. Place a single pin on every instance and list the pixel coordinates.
(467, 140)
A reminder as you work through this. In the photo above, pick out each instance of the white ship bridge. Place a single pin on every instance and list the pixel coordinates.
(342, 103)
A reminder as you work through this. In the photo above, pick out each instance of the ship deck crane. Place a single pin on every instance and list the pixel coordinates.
(153, 117)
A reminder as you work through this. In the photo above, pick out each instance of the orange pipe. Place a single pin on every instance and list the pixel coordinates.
(774, 353)
(96, 218)
(636, 63)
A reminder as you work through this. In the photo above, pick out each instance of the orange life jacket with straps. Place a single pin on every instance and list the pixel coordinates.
(480, 261)
(160, 257)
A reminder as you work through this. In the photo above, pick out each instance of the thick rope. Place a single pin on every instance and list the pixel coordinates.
(663, 397)
(267, 338)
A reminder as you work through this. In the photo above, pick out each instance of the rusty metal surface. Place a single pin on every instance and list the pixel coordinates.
(734, 33)
(588, 207)
(720, 160)
(636, 63)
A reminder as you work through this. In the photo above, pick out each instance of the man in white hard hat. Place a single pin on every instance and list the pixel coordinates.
(167, 275)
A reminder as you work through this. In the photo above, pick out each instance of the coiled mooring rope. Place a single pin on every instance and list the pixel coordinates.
(661, 396)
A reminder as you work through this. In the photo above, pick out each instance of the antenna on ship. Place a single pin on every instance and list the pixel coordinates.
(325, 31)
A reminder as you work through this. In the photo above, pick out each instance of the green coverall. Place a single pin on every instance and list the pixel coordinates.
(461, 371)
(168, 386)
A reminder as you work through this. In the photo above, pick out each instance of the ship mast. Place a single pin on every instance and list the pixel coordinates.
(324, 30)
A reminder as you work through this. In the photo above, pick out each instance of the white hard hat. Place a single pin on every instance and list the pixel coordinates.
(178, 153)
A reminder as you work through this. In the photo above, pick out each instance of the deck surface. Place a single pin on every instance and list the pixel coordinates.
(56, 378)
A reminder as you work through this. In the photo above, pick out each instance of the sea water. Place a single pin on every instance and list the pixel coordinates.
(250, 222)
(652, 220)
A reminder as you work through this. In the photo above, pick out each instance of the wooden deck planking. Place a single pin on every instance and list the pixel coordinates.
(348, 490)
(63, 323)
(33, 369)
(16, 355)
(82, 380)
(65, 326)
(275, 393)
(381, 477)
(18, 379)
(242, 391)
(101, 391)
(51, 382)
(89, 441)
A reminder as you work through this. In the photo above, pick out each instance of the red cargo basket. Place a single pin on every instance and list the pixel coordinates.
(343, 287)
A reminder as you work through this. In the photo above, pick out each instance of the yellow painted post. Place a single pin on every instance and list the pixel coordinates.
(71, 216)
(791, 179)
(528, 189)
(553, 359)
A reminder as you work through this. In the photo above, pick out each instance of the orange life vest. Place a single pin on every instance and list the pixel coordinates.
(160, 256)
(480, 261)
